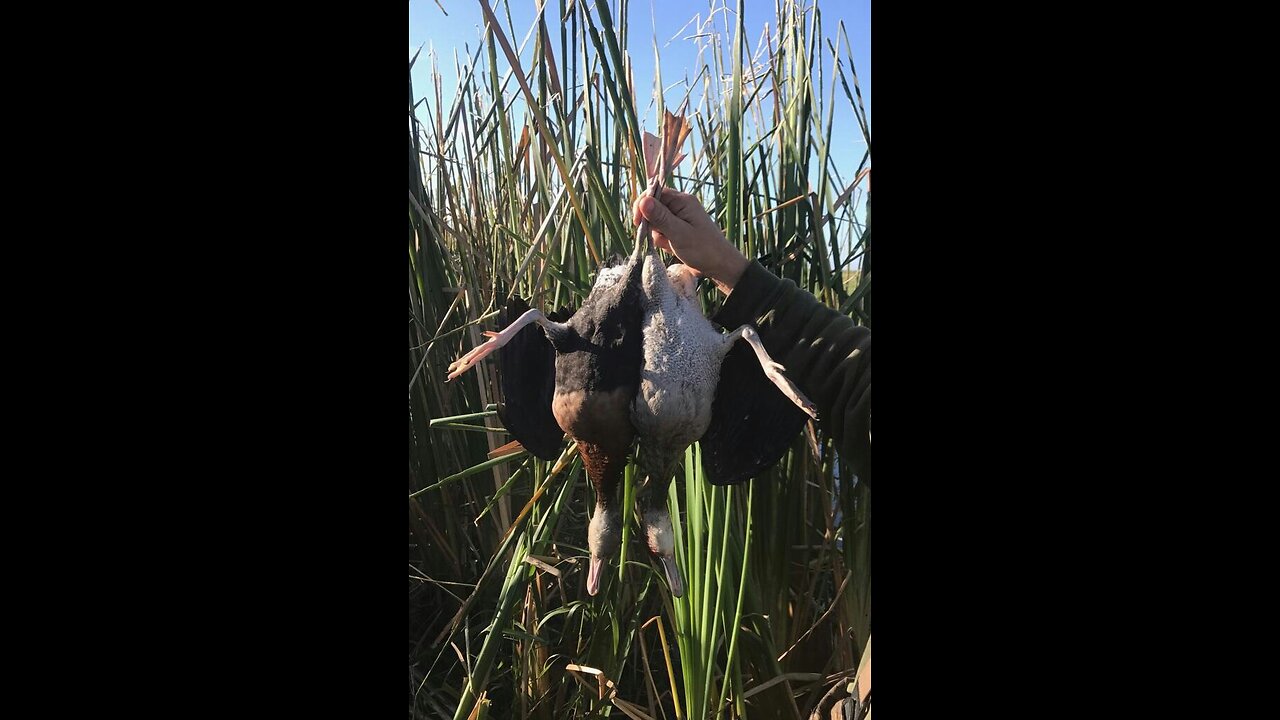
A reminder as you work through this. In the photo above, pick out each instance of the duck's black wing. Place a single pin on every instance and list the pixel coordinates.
(527, 369)
(752, 422)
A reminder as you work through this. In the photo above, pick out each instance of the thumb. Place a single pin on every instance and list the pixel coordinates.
(659, 217)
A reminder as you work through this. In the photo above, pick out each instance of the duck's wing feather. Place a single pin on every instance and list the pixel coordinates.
(527, 371)
(752, 422)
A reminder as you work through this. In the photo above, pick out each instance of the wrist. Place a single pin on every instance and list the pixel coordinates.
(731, 272)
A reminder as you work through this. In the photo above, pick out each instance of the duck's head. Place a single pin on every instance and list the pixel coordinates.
(604, 537)
(661, 539)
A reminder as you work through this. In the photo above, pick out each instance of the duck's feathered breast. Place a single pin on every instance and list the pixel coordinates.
(681, 362)
(598, 360)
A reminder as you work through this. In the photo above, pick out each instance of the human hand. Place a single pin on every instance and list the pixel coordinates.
(679, 224)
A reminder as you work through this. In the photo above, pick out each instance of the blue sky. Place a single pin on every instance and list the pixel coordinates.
(669, 21)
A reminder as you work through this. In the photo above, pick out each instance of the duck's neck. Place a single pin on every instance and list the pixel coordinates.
(604, 470)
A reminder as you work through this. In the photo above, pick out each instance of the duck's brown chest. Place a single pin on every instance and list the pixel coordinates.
(599, 417)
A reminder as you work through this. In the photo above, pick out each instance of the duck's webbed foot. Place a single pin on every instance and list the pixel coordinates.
(496, 340)
(773, 370)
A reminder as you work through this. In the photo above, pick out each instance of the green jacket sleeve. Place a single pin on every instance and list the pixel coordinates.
(824, 352)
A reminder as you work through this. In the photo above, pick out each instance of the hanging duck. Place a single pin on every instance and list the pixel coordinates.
(681, 381)
(577, 376)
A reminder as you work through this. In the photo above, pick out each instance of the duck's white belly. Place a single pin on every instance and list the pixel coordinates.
(682, 355)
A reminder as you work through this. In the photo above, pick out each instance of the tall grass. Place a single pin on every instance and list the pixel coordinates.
(522, 184)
